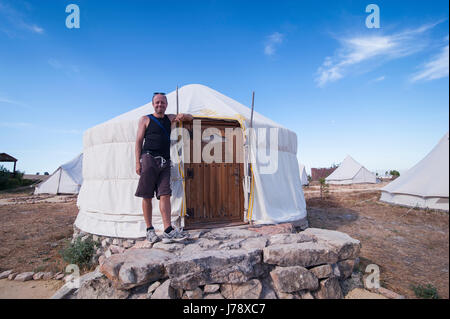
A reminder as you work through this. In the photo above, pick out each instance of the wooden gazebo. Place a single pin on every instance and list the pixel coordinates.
(8, 158)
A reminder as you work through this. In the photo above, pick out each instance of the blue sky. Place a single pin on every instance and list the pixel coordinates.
(379, 95)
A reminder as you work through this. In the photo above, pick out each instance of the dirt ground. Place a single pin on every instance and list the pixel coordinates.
(39, 289)
(33, 230)
(411, 246)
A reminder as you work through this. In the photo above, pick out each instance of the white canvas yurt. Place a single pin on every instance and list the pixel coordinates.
(351, 172)
(107, 205)
(303, 175)
(426, 184)
(67, 179)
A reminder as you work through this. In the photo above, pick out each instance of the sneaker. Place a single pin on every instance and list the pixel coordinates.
(175, 235)
(152, 237)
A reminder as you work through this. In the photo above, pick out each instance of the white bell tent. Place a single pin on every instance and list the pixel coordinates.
(426, 184)
(67, 179)
(351, 172)
(108, 206)
(303, 175)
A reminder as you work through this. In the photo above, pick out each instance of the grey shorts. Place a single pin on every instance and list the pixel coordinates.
(155, 177)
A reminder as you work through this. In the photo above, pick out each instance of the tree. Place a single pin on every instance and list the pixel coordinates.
(323, 188)
(46, 173)
(394, 173)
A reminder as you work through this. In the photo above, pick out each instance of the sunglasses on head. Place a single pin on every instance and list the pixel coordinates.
(156, 93)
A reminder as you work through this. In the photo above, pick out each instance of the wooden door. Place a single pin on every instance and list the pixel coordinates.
(214, 191)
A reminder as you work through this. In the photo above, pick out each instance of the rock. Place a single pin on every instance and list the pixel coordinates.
(229, 234)
(38, 276)
(47, 276)
(336, 271)
(329, 289)
(273, 229)
(268, 291)
(214, 266)
(136, 267)
(283, 295)
(322, 271)
(59, 276)
(306, 295)
(116, 249)
(143, 244)
(301, 223)
(105, 242)
(139, 296)
(165, 291)
(127, 244)
(99, 251)
(254, 243)
(6, 273)
(302, 254)
(206, 243)
(209, 289)
(213, 296)
(108, 253)
(193, 294)
(295, 278)
(353, 282)
(95, 238)
(345, 246)
(100, 288)
(12, 276)
(389, 293)
(232, 244)
(289, 239)
(248, 290)
(346, 268)
(153, 287)
(101, 259)
(25, 276)
(116, 242)
(168, 247)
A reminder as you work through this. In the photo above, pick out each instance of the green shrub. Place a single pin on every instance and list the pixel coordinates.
(4, 177)
(323, 188)
(79, 252)
(425, 292)
(9, 180)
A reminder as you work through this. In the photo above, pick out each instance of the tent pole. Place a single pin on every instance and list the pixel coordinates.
(250, 157)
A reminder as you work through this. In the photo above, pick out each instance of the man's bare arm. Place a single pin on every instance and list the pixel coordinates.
(143, 123)
(181, 117)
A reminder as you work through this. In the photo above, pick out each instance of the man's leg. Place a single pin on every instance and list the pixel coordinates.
(165, 209)
(147, 209)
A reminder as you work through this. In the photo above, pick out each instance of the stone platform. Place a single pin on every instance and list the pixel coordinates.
(268, 262)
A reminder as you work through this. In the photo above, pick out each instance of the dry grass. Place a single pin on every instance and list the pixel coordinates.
(411, 246)
(31, 235)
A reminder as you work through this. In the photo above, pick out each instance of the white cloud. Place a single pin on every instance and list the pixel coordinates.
(13, 19)
(379, 79)
(9, 101)
(54, 63)
(68, 69)
(36, 29)
(356, 51)
(15, 124)
(272, 42)
(436, 68)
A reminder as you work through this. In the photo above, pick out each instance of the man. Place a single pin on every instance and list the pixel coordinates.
(153, 166)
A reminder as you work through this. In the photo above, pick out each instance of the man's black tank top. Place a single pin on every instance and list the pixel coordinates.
(156, 141)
